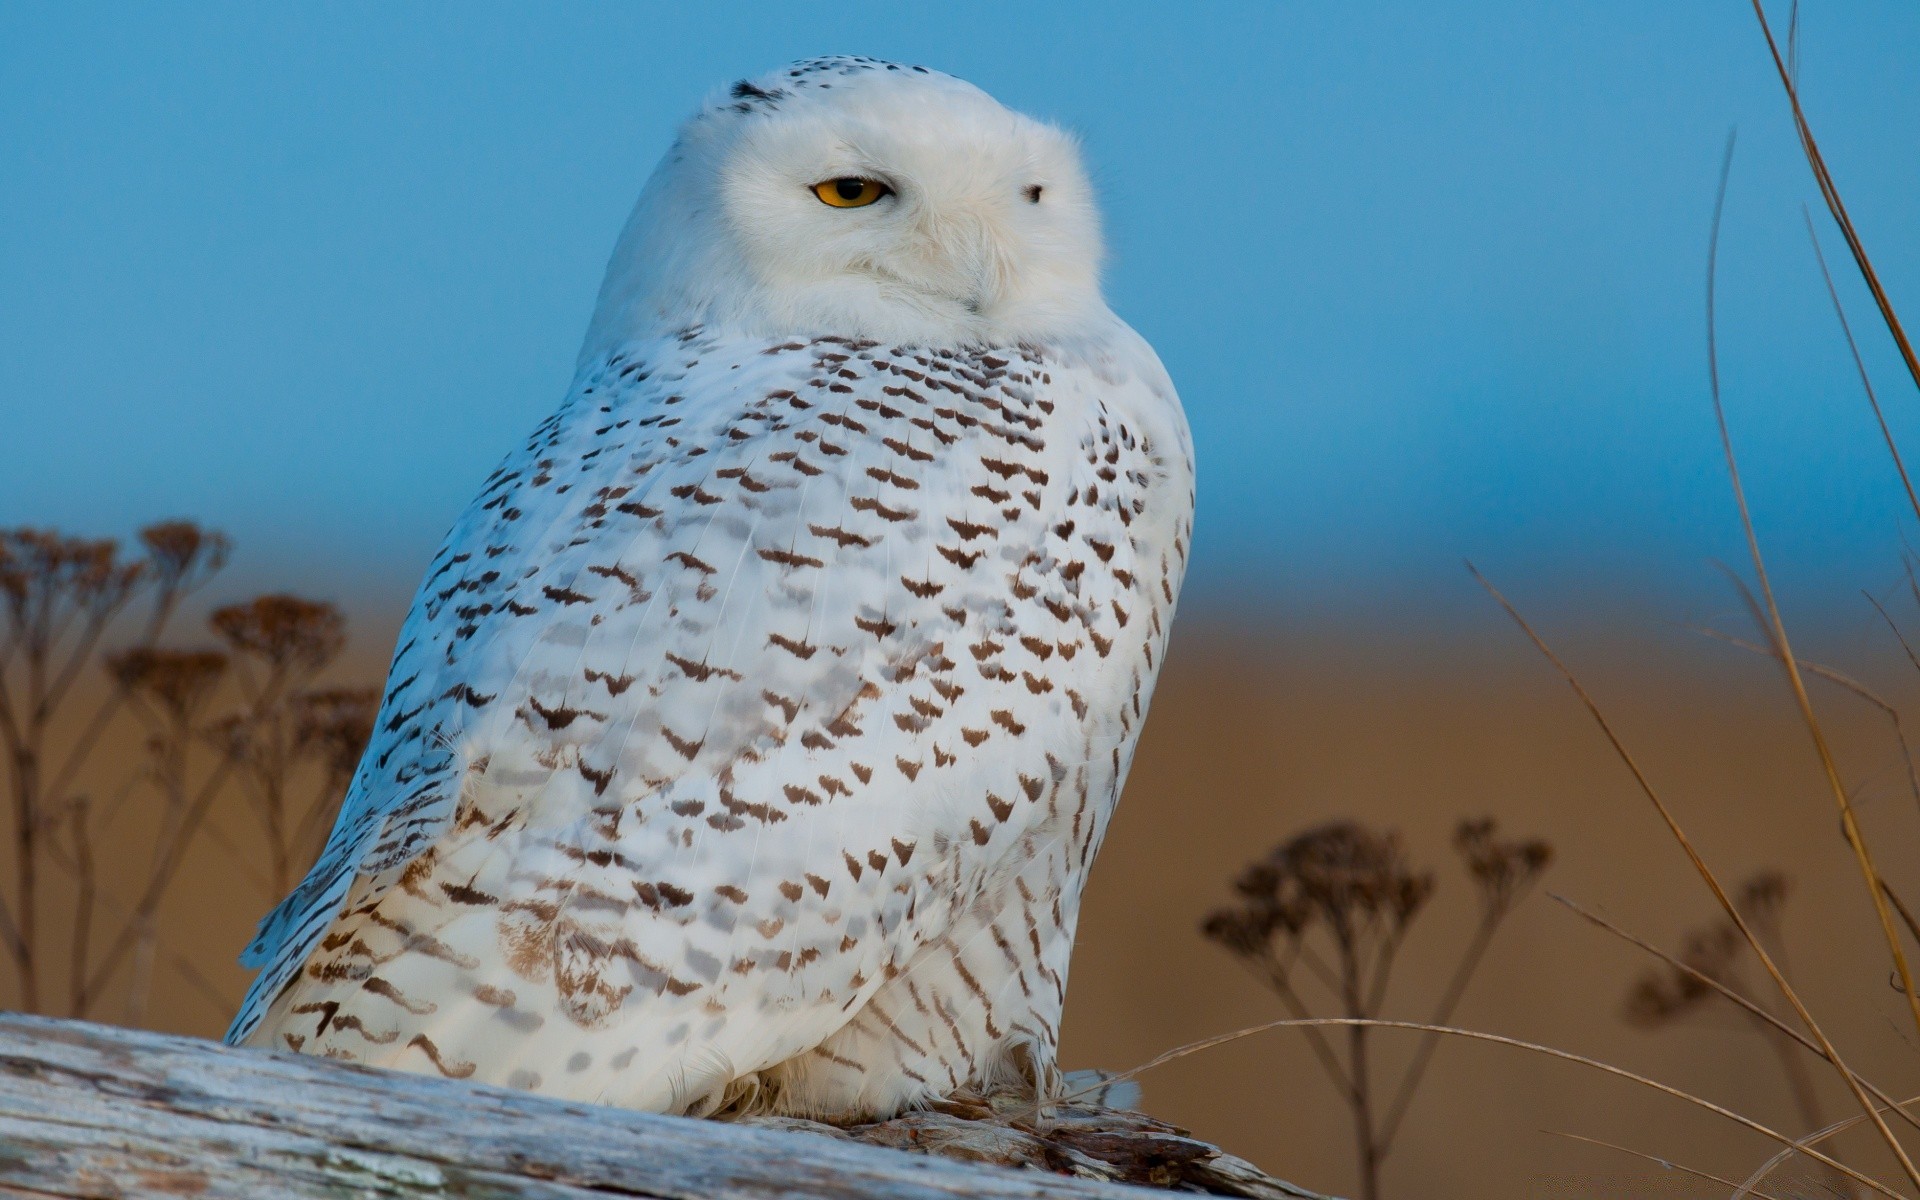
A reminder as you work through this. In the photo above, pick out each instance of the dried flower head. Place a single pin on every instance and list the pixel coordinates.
(1342, 875)
(177, 682)
(1716, 951)
(334, 725)
(182, 555)
(1344, 868)
(1659, 997)
(283, 631)
(43, 572)
(1762, 900)
(1501, 870)
(1244, 932)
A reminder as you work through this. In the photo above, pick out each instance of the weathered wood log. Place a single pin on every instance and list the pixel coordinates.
(94, 1111)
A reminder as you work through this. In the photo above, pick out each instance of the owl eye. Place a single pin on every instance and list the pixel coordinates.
(850, 191)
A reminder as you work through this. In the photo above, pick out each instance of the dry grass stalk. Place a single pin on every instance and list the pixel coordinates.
(1881, 892)
(1841, 680)
(1767, 616)
(1785, 1154)
(1665, 1163)
(1708, 967)
(1800, 1146)
(1336, 903)
(1860, 367)
(1830, 192)
(1827, 1049)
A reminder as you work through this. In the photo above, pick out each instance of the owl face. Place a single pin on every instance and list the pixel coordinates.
(860, 198)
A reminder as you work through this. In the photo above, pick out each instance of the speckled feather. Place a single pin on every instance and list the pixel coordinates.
(752, 734)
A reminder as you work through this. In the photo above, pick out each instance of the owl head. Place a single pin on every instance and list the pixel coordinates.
(860, 198)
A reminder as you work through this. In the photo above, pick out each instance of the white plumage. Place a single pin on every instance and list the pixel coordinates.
(754, 729)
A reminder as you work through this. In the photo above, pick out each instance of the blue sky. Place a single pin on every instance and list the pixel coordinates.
(1429, 276)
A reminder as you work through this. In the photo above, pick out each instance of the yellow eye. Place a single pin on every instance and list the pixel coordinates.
(850, 191)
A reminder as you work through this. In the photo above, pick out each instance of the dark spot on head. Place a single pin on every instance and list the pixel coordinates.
(753, 98)
(1033, 193)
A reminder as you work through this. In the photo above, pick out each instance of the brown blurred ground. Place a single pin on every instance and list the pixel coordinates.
(1255, 736)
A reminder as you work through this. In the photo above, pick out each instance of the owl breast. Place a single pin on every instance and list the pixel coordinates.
(754, 731)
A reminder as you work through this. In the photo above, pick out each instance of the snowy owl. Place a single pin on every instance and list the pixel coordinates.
(751, 736)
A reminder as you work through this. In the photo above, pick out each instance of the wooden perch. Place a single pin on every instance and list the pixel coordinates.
(94, 1111)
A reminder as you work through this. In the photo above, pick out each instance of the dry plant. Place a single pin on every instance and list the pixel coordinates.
(246, 713)
(1327, 912)
(1715, 964)
(1713, 974)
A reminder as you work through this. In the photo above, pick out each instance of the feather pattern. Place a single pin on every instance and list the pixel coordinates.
(755, 725)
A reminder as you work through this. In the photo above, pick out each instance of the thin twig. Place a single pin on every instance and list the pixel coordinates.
(10, 932)
(85, 890)
(1443, 1012)
(158, 881)
(82, 653)
(221, 1003)
(1276, 978)
(1897, 635)
(211, 830)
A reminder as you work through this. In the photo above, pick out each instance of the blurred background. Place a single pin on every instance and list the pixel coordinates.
(1430, 280)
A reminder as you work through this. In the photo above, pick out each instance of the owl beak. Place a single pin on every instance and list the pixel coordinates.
(986, 270)
(969, 255)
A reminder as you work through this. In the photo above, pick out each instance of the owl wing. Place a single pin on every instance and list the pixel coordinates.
(740, 679)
